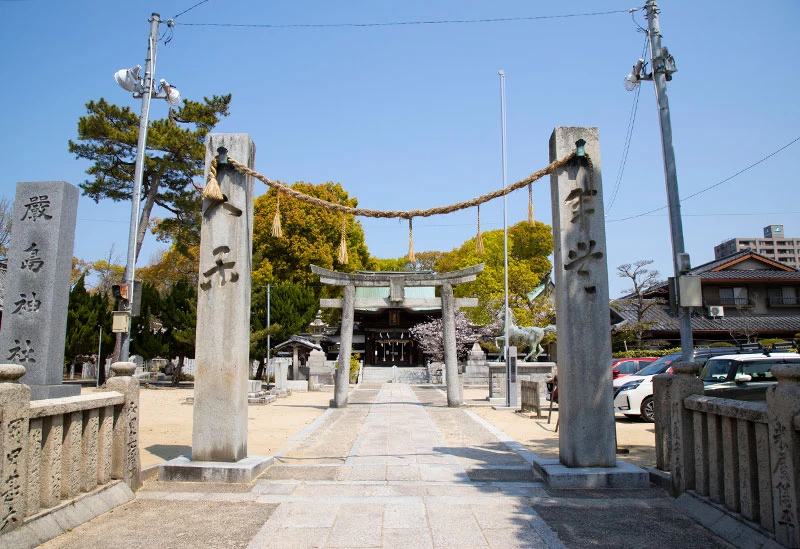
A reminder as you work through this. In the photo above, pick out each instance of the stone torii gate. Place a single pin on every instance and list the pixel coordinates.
(396, 282)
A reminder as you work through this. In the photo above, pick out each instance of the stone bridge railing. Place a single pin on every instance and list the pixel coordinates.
(742, 455)
(53, 450)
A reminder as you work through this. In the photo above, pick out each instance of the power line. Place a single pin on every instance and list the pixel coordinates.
(397, 23)
(628, 135)
(190, 9)
(740, 172)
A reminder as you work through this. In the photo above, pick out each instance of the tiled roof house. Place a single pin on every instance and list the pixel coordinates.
(745, 296)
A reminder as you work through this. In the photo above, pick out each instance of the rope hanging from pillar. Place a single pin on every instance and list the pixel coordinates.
(411, 257)
(212, 190)
(408, 214)
(343, 259)
(479, 239)
(530, 204)
(277, 231)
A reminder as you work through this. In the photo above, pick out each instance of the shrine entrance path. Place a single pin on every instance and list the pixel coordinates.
(395, 468)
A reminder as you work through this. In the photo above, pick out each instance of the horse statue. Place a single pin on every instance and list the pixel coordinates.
(522, 336)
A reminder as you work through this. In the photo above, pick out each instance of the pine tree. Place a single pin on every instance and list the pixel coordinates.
(179, 317)
(108, 137)
(147, 337)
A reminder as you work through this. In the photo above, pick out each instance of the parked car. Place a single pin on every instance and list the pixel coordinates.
(621, 367)
(633, 395)
(743, 377)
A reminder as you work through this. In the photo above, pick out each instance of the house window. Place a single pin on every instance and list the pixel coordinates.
(786, 295)
(733, 296)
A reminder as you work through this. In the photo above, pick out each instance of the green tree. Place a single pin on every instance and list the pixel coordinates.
(292, 309)
(529, 247)
(147, 336)
(108, 138)
(310, 235)
(179, 321)
(85, 315)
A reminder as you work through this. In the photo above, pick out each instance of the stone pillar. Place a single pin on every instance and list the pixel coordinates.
(15, 401)
(219, 431)
(449, 341)
(342, 381)
(681, 429)
(125, 462)
(280, 373)
(783, 413)
(295, 363)
(662, 396)
(586, 412)
(37, 291)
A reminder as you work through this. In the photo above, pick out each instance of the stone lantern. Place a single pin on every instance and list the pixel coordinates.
(317, 327)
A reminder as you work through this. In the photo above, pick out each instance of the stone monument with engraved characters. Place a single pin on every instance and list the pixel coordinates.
(38, 284)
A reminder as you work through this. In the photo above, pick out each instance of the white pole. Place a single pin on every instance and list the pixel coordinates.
(505, 233)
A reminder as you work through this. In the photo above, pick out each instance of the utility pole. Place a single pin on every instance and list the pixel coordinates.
(130, 266)
(663, 67)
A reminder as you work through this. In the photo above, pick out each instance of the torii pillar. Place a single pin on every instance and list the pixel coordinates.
(396, 282)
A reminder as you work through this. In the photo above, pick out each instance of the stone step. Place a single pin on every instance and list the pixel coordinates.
(405, 374)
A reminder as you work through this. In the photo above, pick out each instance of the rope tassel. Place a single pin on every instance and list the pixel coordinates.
(277, 231)
(479, 239)
(343, 259)
(411, 257)
(212, 190)
(530, 205)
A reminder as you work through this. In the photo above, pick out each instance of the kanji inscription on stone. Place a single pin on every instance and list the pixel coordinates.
(22, 352)
(26, 304)
(36, 208)
(581, 202)
(31, 260)
(220, 269)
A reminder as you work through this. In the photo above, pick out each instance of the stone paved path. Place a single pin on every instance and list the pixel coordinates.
(396, 468)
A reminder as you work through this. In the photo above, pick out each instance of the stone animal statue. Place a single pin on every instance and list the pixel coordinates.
(522, 336)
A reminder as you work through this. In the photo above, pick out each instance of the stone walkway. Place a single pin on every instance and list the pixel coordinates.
(396, 468)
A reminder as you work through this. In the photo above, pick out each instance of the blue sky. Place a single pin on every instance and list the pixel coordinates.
(408, 116)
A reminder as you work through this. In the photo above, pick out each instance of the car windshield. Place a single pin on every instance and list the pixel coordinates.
(658, 367)
(716, 369)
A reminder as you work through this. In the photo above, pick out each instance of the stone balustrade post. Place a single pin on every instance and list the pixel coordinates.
(125, 462)
(662, 396)
(783, 413)
(15, 401)
(681, 430)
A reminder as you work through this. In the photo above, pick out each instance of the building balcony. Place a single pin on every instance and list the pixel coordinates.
(783, 301)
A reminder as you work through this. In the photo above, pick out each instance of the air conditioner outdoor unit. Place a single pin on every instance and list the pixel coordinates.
(716, 310)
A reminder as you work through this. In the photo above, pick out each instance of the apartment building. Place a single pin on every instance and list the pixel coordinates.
(774, 245)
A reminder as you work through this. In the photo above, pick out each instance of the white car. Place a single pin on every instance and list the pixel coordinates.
(633, 395)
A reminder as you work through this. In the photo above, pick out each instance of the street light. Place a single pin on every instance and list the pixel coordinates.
(129, 80)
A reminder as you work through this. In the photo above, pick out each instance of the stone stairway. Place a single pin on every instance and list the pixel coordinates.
(405, 374)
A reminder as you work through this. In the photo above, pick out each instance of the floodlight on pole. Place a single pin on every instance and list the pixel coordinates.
(128, 79)
(143, 88)
(171, 93)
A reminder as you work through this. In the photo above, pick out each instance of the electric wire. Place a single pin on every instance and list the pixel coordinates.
(398, 23)
(190, 9)
(740, 172)
(628, 135)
